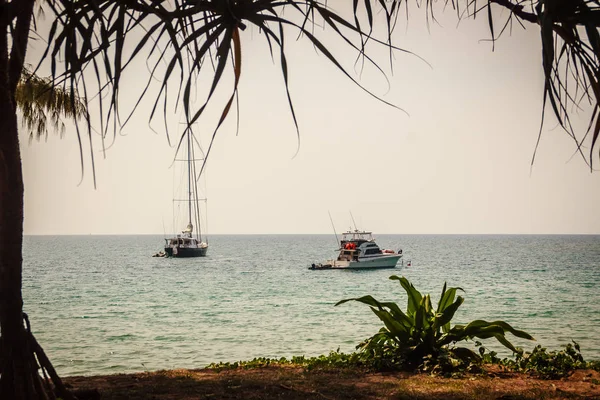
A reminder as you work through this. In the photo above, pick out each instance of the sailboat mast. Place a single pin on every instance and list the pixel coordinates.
(196, 207)
(189, 160)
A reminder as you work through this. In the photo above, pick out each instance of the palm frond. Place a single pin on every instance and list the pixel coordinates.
(570, 62)
(94, 40)
(44, 106)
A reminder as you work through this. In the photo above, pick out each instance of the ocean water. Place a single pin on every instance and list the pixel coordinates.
(102, 304)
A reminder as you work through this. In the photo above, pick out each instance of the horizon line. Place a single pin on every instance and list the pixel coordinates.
(324, 234)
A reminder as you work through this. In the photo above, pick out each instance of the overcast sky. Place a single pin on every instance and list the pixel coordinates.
(459, 163)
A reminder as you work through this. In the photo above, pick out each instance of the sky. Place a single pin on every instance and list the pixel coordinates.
(458, 163)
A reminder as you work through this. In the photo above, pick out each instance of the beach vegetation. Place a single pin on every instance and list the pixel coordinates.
(422, 337)
(543, 363)
(333, 360)
(540, 363)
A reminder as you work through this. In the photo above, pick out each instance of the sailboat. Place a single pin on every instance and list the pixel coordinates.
(189, 242)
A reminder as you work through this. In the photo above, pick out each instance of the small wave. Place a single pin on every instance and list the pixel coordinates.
(121, 337)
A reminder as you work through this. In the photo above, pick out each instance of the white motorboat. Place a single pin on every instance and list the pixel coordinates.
(358, 250)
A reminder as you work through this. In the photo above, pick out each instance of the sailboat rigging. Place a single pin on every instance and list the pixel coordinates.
(189, 243)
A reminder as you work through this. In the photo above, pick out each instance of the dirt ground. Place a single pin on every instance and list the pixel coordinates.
(284, 382)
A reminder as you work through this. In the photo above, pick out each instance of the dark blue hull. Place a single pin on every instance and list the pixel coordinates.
(186, 252)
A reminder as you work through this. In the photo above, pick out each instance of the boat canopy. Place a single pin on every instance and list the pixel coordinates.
(357, 236)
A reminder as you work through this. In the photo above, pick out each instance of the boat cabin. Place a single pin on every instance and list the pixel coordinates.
(357, 244)
(182, 242)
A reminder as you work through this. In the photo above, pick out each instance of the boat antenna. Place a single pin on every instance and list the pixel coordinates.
(333, 226)
(351, 216)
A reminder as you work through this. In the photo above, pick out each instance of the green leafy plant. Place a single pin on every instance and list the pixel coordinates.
(550, 364)
(333, 360)
(422, 336)
(488, 356)
(540, 362)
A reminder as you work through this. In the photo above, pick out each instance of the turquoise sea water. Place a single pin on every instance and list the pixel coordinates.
(102, 304)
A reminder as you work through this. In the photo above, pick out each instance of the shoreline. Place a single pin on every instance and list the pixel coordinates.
(294, 382)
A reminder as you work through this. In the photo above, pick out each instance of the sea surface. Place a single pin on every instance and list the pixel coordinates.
(103, 304)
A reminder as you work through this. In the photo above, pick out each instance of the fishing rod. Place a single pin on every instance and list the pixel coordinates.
(351, 216)
(333, 226)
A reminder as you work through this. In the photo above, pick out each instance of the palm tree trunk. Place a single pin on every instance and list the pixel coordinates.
(21, 357)
(11, 239)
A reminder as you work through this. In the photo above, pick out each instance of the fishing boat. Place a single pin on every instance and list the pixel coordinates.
(189, 242)
(358, 250)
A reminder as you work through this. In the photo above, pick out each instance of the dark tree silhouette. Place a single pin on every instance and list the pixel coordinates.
(92, 42)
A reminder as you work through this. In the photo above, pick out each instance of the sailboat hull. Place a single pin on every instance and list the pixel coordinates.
(186, 252)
